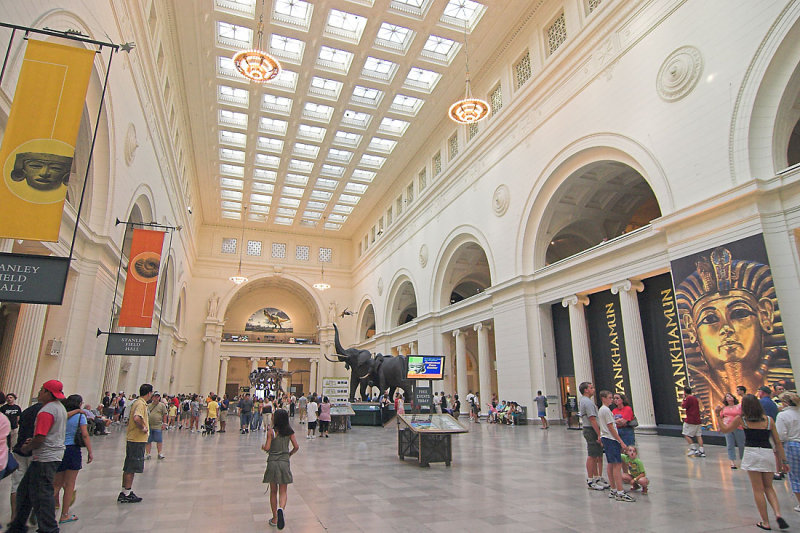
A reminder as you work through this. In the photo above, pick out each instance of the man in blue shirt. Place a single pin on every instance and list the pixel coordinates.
(770, 407)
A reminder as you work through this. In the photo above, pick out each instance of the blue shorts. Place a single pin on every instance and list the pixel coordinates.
(155, 436)
(72, 458)
(613, 450)
(542, 413)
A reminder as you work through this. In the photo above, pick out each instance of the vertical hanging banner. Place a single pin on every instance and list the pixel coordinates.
(139, 297)
(39, 141)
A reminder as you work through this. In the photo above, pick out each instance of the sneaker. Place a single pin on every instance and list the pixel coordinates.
(147, 457)
(700, 454)
(162, 456)
(594, 485)
(624, 497)
(691, 452)
(281, 519)
(797, 508)
(603, 483)
(130, 498)
(612, 494)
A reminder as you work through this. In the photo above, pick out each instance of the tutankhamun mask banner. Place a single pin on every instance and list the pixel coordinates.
(731, 324)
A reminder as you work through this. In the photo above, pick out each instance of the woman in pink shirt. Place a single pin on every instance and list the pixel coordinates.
(324, 417)
(5, 429)
(729, 410)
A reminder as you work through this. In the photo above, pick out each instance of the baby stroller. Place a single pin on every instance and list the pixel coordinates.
(209, 426)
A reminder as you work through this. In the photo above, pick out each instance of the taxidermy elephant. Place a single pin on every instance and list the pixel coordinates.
(358, 362)
(391, 373)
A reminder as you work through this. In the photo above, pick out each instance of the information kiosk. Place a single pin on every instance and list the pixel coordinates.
(427, 437)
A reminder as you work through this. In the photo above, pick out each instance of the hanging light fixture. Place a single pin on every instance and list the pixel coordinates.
(469, 109)
(321, 285)
(256, 64)
(239, 278)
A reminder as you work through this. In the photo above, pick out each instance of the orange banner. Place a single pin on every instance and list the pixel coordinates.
(140, 287)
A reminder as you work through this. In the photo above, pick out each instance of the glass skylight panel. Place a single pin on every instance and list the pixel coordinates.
(231, 214)
(245, 8)
(320, 195)
(393, 126)
(256, 217)
(366, 96)
(233, 206)
(287, 48)
(258, 198)
(314, 111)
(276, 104)
(232, 95)
(332, 170)
(345, 26)
(228, 154)
(285, 80)
(332, 226)
(316, 205)
(298, 165)
(347, 138)
(232, 137)
(372, 161)
(440, 50)
(286, 212)
(325, 88)
(272, 125)
(407, 105)
(342, 156)
(313, 215)
(325, 183)
(307, 150)
(349, 199)
(360, 174)
(227, 69)
(345, 209)
(296, 179)
(271, 161)
(233, 36)
(334, 217)
(232, 118)
(289, 202)
(267, 188)
(458, 12)
(230, 183)
(269, 144)
(334, 59)
(292, 13)
(417, 8)
(308, 223)
(284, 221)
(355, 188)
(256, 208)
(356, 119)
(422, 80)
(314, 133)
(262, 174)
(230, 195)
(378, 144)
(232, 170)
(394, 38)
(379, 69)
(294, 192)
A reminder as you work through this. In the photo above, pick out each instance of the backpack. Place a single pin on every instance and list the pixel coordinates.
(185, 406)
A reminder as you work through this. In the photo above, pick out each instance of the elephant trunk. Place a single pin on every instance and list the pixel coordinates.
(336, 343)
(332, 360)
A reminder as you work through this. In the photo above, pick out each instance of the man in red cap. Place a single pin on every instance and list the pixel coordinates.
(35, 491)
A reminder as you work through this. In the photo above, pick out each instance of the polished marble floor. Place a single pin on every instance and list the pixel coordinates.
(513, 479)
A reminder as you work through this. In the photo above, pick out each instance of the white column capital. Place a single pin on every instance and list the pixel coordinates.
(212, 340)
(255, 359)
(480, 326)
(575, 299)
(457, 332)
(286, 359)
(225, 358)
(627, 285)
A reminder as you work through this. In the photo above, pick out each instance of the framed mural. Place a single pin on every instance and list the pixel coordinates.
(730, 320)
(269, 320)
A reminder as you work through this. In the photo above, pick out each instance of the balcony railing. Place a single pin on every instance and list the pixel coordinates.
(270, 337)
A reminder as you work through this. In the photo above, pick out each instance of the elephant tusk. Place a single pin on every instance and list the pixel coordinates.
(329, 359)
(364, 376)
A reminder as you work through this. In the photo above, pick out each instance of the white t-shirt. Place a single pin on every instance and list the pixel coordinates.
(437, 400)
(311, 409)
(604, 418)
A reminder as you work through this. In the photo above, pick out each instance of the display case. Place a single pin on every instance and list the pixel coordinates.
(339, 416)
(427, 437)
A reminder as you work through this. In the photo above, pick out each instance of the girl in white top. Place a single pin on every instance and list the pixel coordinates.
(311, 410)
(788, 426)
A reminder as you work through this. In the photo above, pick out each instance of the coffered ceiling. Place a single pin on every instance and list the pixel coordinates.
(364, 83)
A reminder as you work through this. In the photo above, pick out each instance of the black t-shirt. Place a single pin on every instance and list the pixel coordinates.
(12, 412)
(106, 402)
(27, 425)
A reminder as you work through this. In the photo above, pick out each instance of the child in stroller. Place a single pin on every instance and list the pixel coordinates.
(209, 426)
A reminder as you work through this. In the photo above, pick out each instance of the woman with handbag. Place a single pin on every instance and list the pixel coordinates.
(625, 419)
(75, 438)
(729, 409)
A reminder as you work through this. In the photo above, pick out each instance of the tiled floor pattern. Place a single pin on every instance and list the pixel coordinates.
(503, 479)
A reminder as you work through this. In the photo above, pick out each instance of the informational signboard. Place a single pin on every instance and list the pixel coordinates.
(336, 389)
(33, 279)
(423, 396)
(425, 367)
(132, 344)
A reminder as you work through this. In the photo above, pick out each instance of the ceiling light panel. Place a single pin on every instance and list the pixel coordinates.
(318, 112)
(258, 198)
(377, 144)
(394, 38)
(316, 205)
(407, 105)
(262, 174)
(233, 96)
(242, 8)
(366, 96)
(322, 196)
(232, 118)
(421, 80)
(276, 104)
(230, 183)
(289, 202)
(417, 8)
(232, 206)
(265, 188)
(392, 126)
(297, 180)
(313, 215)
(345, 209)
(325, 183)
(334, 60)
(292, 193)
(346, 138)
(332, 226)
(231, 170)
(458, 12)
(306, 150)
(349, 199)
(286, 212)
(227, 70)
(272, 125)
(345, 26)
(356, 119)
(286, 80)
(440, 50)
(256, 217)
(298, 165)
(228, 154)
(230, 195)
(379, 69)
(325, 88)
(256, 208)
(372, 161)
(234, 138)
(360, 174)
(269, 161)
(340, 156)
(268, 144)
(332, 170)
(234, 37)
(292, 13)
(355, 188)
(283, 221)
(286, 48)
(235, 215)
(311, 133)
(333, 217)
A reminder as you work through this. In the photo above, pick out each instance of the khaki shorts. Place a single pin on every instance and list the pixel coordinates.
(16, 477)
(692, 430)
(223, 416)
(593, 448)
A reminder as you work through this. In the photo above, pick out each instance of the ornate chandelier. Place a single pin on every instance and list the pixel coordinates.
(256, 64)
(239, 278)
(321, 285)
(469, 109)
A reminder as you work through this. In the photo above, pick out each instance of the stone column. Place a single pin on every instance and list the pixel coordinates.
(581, 355)
(484, 365)
(223, 374)
(25, 349)
(208, 380)
(413, 348)
(639, 373)
(8, 339)
(254, 363)
(285, 379)
(312, 380)
(111, 376)
(461, 365)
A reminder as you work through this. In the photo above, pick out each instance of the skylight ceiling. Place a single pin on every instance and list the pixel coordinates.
(341, 121)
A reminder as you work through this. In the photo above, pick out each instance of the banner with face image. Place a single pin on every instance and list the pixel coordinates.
(39, 141)
(139, 298)
(731, 324)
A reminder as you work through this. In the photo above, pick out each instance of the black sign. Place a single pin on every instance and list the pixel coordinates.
(33, 279)
(607, 339)
(572, 404)
(422, 396)
(131, 344)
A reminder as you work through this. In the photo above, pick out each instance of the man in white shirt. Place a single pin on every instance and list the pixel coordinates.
(613, 447)
(311, 411)
(437, 402)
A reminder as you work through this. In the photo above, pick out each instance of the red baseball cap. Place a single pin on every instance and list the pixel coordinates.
(54, 387)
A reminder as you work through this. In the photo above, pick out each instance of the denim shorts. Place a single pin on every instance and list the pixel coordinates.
(155, 436)
(72, 458)
(613, 450)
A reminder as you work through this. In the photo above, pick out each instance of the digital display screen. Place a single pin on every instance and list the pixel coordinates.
(425, 366)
